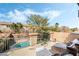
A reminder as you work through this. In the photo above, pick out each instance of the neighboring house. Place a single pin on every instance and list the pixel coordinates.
(64, 36)
(5, 23)
(4, 28)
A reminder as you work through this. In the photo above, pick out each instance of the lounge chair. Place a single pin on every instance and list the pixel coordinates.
(42, 51)
(59, 48)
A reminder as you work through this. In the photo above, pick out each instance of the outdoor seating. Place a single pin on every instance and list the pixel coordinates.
(42, 51)
(59, 48)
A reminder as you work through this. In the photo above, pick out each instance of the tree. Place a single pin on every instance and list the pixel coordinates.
(40, 25)
(19, 25)
(74, 29)
(56, 27)
(38, 21)
(65, 29)
(16, 27)
(51, 28)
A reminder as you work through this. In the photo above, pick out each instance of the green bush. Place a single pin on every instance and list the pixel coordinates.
(0, 31)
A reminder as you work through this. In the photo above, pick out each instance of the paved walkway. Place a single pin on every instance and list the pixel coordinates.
(28, 51)
(3, 54)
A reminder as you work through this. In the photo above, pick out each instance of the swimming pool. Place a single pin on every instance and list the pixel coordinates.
(22, 44)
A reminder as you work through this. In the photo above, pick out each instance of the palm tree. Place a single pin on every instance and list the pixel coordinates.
(38, 21)
(41, 25)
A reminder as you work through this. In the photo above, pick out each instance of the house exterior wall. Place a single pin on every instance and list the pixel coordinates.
(63, 36)
(33, 38)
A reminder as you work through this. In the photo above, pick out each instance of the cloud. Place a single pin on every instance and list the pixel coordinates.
(21, 16)
(17, 16)
(51, 14)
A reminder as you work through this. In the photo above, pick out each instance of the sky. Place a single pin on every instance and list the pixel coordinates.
(66, 14)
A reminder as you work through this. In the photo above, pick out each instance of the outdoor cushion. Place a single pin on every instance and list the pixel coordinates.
(42, 51)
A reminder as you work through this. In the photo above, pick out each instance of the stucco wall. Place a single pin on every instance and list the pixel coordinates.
(59, 36)
(63, 36)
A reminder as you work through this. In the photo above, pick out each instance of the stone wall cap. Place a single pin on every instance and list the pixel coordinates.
(75, 33)
(51, 32)
(33, 34)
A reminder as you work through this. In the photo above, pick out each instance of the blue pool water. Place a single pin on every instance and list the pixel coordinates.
(22, 44)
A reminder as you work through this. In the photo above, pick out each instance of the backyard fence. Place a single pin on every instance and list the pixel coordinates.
(43, 37)
(6, 43)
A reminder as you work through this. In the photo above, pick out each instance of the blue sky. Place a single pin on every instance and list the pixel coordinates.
(63, 13)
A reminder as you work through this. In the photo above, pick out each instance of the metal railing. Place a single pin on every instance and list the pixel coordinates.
(5, 43)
